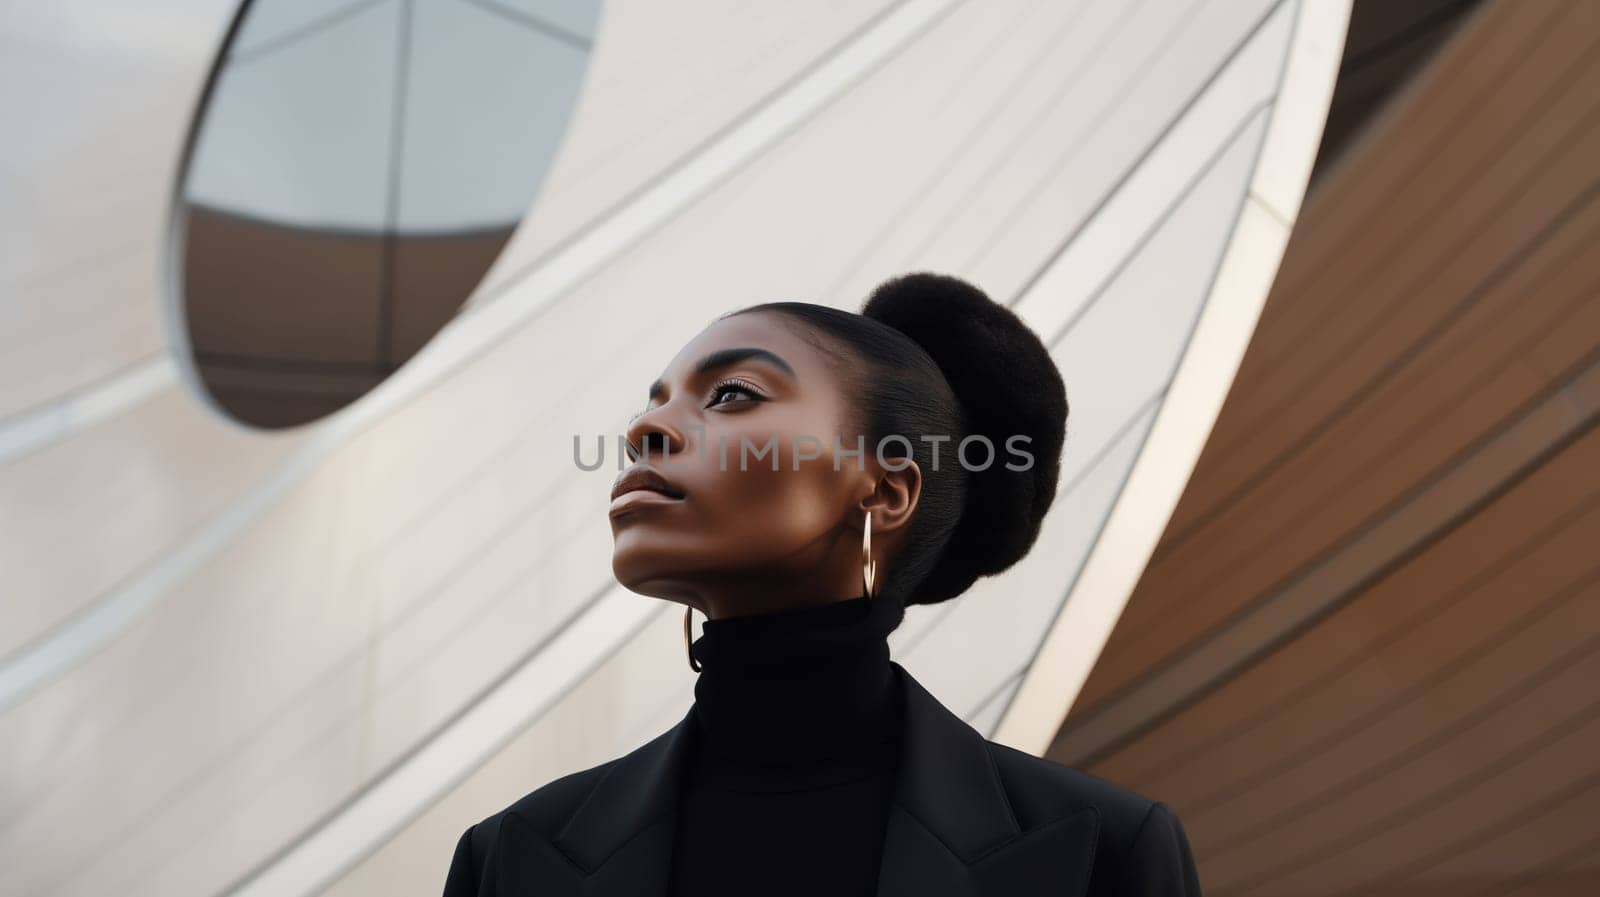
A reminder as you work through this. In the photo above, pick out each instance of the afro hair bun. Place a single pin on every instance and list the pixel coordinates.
(1007, 385)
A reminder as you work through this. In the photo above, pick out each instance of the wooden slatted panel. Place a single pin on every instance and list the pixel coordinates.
(1433, 731)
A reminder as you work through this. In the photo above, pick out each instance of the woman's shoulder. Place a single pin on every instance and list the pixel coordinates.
(1142, 846)
(546, 807)
(543, 810)
(1041, 785)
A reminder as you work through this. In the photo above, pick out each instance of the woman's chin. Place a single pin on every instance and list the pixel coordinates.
(639, 571)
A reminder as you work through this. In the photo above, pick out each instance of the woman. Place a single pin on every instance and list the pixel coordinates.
(799, 477)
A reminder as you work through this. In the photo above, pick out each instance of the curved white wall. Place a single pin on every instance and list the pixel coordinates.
(292, 661)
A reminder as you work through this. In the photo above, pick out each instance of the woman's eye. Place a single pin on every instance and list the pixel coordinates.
(732, 388)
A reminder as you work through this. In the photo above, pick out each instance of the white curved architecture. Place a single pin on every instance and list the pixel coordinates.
(301, 661)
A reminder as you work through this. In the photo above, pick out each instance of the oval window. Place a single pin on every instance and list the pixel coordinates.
(356, 168)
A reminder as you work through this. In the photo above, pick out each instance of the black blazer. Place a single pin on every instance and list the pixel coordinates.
(970, 817)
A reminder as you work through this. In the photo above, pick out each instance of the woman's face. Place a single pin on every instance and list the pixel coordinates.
(744, 537)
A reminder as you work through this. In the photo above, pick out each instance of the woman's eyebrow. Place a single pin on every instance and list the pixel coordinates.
(724, 357)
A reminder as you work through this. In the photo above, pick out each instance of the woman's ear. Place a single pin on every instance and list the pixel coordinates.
(893, 499)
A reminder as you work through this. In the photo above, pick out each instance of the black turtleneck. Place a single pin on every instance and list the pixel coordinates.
(797, 722)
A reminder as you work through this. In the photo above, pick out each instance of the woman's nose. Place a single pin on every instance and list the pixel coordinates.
(650, 434)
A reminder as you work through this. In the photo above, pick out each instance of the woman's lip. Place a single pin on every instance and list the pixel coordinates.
(639, 498)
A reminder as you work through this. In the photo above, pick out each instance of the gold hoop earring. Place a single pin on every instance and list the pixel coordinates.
(869, 568)
(693, 665)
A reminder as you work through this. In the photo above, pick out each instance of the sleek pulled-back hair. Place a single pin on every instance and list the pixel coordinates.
(931, 355)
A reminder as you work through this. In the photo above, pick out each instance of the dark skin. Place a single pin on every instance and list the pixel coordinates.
(756, 540)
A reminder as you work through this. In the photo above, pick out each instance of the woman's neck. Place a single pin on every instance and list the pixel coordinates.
(798, 686)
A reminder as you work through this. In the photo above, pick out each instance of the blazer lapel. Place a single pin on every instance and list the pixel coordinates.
(619, 841)
(951, 829)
